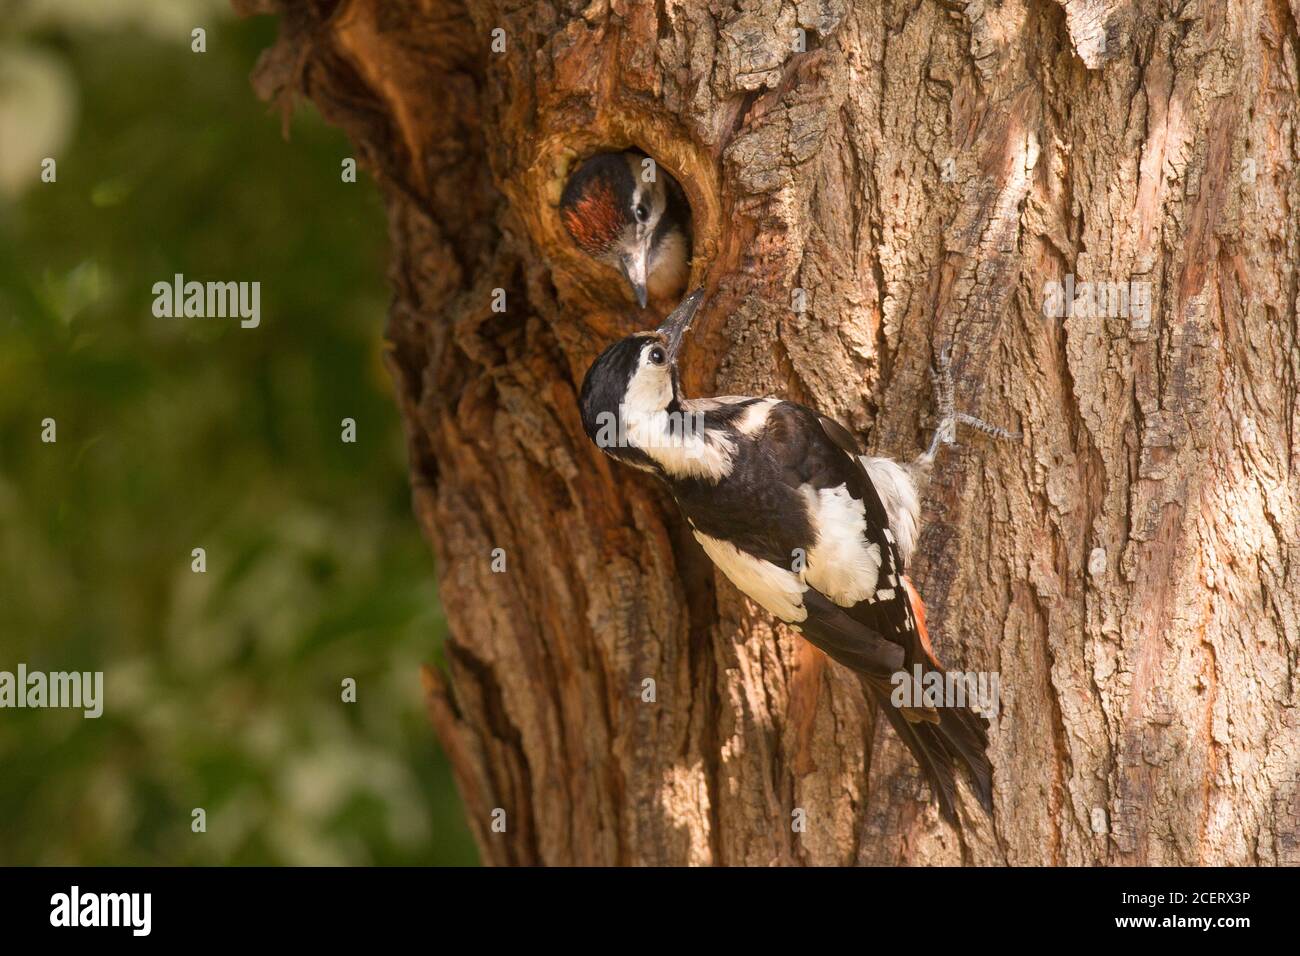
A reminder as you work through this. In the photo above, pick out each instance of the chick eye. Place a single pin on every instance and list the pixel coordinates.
(641, 213)
(657, 356)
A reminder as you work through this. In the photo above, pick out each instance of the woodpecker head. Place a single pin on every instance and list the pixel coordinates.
(633, 217)
(631, 385)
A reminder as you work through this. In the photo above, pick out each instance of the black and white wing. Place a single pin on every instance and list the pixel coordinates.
(858, 598)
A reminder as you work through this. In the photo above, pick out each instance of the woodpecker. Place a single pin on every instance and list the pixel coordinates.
(784, 503)
(633, 216)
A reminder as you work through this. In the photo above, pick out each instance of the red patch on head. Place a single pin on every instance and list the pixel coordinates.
(594, 220)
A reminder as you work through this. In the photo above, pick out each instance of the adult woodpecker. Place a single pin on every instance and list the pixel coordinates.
(624, 211)
(786, 506)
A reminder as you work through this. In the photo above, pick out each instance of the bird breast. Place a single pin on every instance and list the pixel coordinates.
(668, 270)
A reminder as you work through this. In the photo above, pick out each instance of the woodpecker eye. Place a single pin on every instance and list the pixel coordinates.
(657, 356)
(641, 213)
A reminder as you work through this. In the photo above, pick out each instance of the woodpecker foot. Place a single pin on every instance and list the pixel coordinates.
(945, 433)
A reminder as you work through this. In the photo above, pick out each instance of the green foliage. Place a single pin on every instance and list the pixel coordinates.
(222, 689)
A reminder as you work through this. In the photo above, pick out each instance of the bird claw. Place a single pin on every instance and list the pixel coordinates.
(993, 431)
(945, 432)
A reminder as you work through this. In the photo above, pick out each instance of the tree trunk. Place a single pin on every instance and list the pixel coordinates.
(922, 171)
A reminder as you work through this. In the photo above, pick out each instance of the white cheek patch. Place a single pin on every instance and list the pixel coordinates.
(843, 565)
(775, 589)
(649, 392)
(678, 442)
(648, 194)
(898, 494)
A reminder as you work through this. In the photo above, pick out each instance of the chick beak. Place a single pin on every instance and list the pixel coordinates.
(634, 267)
(678, 321)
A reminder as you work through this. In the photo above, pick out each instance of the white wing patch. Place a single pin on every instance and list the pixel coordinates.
(842, 564)
(776, 589)
(751, 419)
(754, 418)
(898, 494)
(713, 404)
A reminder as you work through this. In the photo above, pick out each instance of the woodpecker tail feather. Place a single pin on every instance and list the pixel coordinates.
(940, 734)
(960, 736)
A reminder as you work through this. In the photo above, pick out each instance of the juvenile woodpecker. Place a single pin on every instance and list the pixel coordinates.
(786, 506)
(627, 213)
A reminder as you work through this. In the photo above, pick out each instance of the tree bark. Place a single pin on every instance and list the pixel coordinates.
(921, 170)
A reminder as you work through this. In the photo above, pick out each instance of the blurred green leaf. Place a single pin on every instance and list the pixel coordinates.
(222, 689)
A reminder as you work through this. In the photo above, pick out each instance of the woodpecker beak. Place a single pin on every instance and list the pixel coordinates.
(634, 267)
(675, 326)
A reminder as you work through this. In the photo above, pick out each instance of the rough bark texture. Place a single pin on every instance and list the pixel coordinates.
(1132, 569)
